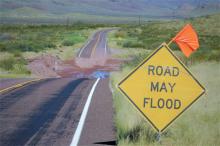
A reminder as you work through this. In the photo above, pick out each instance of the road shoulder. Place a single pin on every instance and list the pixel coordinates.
(99, 126)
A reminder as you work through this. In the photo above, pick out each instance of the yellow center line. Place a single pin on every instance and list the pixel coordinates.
(18, 85)
(95, 46)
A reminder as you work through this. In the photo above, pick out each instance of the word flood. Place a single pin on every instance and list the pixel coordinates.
(161, 103)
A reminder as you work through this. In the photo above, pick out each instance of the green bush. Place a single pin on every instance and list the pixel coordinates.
(120, 34)
(15, 63)
(68, 43)
(132, 44)
(7, 64)
(17, 54)
(2, 47)
(49, 45)
(20, 69)
(215, 56)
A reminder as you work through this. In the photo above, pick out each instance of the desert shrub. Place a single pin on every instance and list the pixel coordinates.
(49, 45)
(20, 69)
(68, 43)
(120, 34)
(7, 64)
(2, 47)
(17, 54)
(15, 63)
(132, 44)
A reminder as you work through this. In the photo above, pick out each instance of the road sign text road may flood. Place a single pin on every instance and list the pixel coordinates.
(161, 103)
(161, 88)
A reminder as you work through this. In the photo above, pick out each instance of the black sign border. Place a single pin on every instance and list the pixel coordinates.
(163, 45)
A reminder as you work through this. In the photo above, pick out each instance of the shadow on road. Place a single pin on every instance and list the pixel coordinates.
(106, 143)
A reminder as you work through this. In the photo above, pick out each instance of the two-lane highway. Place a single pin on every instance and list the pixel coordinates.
(96, 47)
(53, 111)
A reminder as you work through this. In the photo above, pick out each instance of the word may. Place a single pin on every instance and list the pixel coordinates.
(159, 87)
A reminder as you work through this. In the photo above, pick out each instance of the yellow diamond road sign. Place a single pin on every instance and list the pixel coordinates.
(161, 88)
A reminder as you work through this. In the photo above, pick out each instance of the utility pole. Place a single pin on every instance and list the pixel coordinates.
(67, 21)
(139, 20)
(173, 14)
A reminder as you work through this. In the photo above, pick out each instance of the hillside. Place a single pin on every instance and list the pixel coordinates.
(131, 9)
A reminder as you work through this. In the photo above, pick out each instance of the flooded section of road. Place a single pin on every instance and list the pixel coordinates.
(100, 74)
(91, 68)
(50, 67)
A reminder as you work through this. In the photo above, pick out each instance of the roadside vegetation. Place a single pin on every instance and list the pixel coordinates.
(19, 43)
(200, 124)
(150, 35)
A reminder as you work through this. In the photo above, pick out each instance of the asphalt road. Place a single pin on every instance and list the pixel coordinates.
(49, 112)
(4, 83)
(96, 47)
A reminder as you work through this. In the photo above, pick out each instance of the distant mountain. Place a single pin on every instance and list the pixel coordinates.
(131, 9)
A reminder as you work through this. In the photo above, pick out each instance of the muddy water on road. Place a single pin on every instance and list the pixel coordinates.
(48, 66)
(87, 67)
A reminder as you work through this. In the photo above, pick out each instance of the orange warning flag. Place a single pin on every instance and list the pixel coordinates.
(187, 40)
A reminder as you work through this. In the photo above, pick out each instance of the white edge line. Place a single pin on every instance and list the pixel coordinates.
(105, 45)
(82, 49)
(77, 134)
(111, 88)
(89, 40)
(106, 41)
